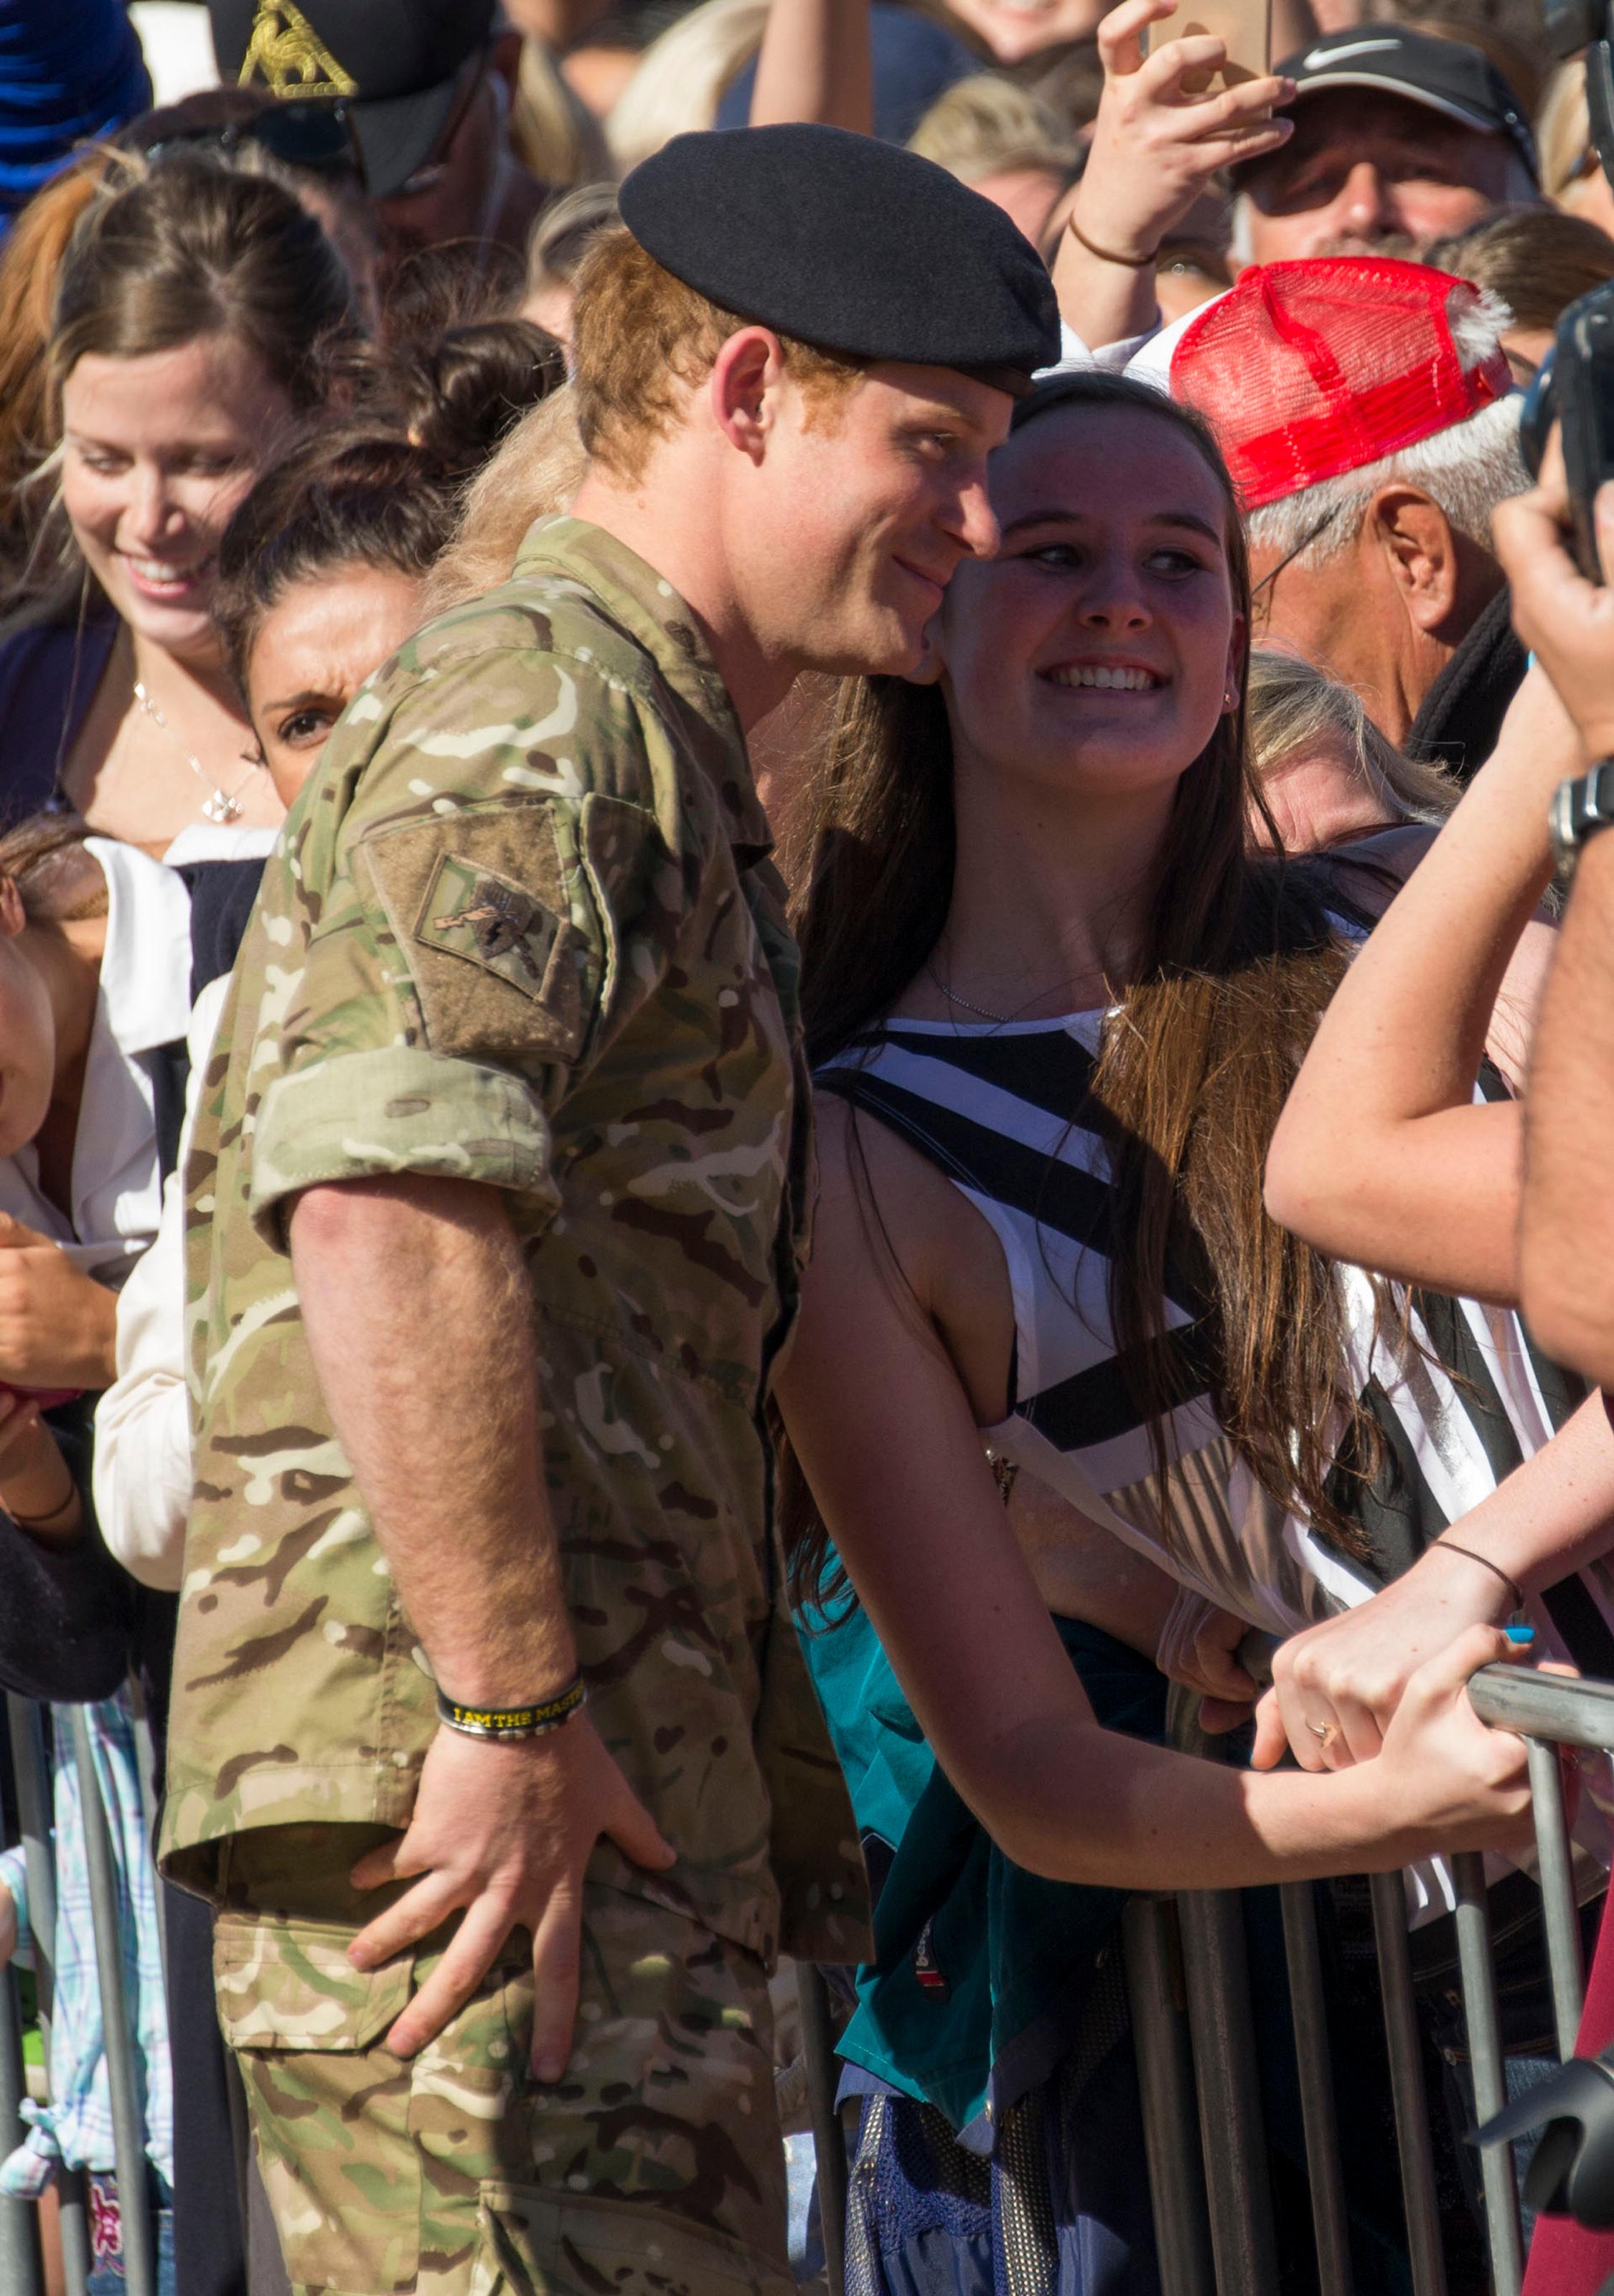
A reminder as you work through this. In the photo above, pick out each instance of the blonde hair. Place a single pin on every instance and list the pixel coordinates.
(989, 126)
(564, 231)
(1563, 131)
(641, 340)
(1296, 709)
(682, 78)
(555, 135)
(535, 475)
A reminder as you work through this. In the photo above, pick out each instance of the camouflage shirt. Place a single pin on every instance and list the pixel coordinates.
(521, 929)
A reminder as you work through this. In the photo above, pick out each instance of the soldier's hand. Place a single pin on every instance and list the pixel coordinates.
(505, 1831)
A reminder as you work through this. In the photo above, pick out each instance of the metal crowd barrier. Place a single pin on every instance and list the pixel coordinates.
(1193, 2033)
(1195, 2041)
(22, 2255)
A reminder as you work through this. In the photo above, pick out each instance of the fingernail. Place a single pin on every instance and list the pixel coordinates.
(1521, 1634)
(359, 1959)
(549, 2068)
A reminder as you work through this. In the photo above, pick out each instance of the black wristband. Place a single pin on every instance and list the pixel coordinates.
(534, 1721)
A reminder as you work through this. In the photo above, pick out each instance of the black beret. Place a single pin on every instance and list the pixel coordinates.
(850, 244)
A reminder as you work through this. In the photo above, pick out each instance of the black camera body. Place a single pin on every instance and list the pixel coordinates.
(1574, 389)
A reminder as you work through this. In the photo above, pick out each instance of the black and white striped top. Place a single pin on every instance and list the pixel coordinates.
(1002, 1110)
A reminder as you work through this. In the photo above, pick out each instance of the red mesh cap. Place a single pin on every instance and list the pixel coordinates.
(1306, 370)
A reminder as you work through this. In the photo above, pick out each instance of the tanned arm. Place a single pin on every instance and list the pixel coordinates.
(415, 1297)
(815, 64)
(885, 1436)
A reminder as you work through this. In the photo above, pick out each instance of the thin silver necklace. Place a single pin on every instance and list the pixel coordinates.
(222, 804)
(997, 1020)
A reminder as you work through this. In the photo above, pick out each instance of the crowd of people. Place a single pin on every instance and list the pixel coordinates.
(784, 1000)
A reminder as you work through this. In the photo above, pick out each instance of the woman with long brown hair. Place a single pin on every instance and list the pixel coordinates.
(1054, 1004)
(194, 310)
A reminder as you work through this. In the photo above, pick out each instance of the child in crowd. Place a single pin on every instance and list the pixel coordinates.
(94, 949)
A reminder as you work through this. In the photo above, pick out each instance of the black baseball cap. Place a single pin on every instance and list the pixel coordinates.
(395, 63)
(852, 244)
(1447, 77)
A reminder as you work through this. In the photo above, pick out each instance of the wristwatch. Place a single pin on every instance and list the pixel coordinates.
(1579, 810)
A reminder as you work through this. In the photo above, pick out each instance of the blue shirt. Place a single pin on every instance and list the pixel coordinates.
(71, 70)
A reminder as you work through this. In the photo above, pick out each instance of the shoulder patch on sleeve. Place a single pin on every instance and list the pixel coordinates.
(480, 905)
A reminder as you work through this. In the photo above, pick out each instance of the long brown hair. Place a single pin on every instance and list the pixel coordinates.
(163, 253)
(1237, 961)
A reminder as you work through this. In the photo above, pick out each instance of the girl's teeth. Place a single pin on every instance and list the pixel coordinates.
(1127, 681)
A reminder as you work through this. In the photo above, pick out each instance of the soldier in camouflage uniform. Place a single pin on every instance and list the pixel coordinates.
(496, 1202)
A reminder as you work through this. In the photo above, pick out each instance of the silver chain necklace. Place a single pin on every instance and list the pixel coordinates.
(222, 804)
(997, 1020)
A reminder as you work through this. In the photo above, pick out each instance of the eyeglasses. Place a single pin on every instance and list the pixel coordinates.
(1313, 534)
(316, 136)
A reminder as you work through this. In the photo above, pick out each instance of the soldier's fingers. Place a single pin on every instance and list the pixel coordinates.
(636, 1833)
(392, 1861)
(557, 1959)
(416, 1915)
(468, 1956)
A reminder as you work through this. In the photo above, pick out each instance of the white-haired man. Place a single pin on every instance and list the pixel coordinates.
(1363, 406)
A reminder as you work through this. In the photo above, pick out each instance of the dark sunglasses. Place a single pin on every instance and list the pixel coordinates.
(311, 133)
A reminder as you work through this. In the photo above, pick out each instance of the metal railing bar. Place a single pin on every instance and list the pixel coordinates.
(128, 2124)
(1166, 2090)
(1313, 2063)
(828, 2136)
(1565, 1966)
(34, 1811)
(73, 2223)
(31, 1772)
(1406, 2087)
(1478, 1978)
(21, 2261)
(1237, 2188)
(151, 1798)
(1545, 1705)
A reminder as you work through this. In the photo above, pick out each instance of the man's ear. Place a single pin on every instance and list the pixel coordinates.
(744, 376)
(13, 916)
(1416, 536)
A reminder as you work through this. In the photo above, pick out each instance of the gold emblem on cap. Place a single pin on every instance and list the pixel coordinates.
(289, 52)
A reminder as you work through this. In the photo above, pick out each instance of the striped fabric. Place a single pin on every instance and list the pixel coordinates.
(1002, 1110)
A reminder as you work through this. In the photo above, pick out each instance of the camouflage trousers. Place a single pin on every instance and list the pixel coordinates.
(653, 2168)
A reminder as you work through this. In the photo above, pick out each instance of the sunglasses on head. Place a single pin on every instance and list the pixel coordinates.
(315, 133)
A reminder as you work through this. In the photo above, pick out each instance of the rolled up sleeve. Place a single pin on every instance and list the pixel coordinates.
(451, 934)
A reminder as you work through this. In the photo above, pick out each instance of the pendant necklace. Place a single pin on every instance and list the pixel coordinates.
(222, 806)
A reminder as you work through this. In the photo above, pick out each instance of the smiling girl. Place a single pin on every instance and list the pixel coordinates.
(1053, 1005)
(193, 320)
